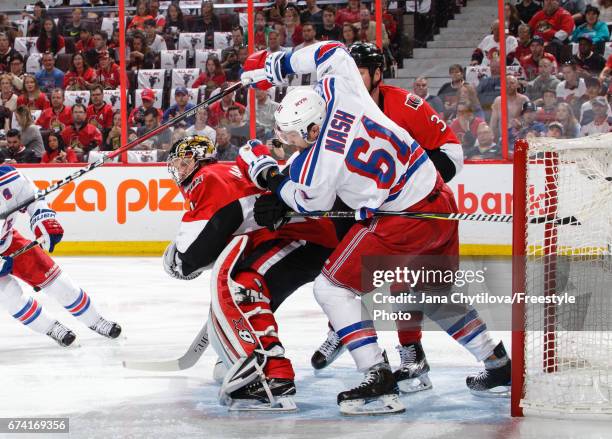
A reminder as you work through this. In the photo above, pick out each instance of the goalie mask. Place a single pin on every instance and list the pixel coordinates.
(186, 154)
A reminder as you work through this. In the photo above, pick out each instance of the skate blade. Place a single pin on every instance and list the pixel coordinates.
(283, 404)
(383, 405)
(415, 384)
(495, 392)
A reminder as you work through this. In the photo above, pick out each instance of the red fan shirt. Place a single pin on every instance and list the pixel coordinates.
(86, 137)
(101, 118)
(49, 119)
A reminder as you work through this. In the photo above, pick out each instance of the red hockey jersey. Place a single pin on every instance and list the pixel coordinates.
(221, 206)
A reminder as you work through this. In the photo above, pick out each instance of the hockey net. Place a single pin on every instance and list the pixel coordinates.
(562, 243)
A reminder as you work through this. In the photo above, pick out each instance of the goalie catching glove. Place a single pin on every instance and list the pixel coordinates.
(46, 228)
(174, 266)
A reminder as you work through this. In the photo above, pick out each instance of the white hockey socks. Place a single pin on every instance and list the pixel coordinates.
(346, 313)
(75, 300)
(23, 308)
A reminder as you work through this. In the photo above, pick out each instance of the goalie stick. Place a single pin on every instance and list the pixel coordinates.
(187, 360)
(565, 221)
(106, 158)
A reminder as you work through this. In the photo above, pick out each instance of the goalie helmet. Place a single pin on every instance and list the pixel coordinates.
(367, 55)
(300, 109)
(186, 154)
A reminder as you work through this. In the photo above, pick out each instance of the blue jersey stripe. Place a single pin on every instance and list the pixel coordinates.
(469, 337)
(359, 343)
(462, 322)
(9, 180)
(82, 309)
(25, 309)
(330, 107)
(354, 327)
(33, 316)
(76, 302)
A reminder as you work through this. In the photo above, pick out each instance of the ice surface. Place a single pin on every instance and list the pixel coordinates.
(160, 317)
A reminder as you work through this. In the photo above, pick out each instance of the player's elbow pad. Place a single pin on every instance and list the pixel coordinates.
(448, 161)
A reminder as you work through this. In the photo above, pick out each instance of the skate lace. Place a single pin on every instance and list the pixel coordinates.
(481, 376)
(407, 355)
(102, 326)
(369, 378)
(330, 344)
(58, 331)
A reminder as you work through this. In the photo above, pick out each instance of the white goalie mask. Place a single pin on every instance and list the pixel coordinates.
(299, 110)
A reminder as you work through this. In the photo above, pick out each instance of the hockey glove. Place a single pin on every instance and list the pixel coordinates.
(253, 71)
(269, 211)
(46, 228)
(256, 162)
(275, 68)
(174, 266)
(6, 265)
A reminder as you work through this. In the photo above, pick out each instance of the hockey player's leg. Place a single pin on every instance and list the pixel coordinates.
(244, 334)
(378, 392)
(413, 372)
(28, 311)
(80, 305)
(465, 326)
(40, 271)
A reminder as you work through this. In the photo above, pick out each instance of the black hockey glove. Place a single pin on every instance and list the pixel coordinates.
(269, 212)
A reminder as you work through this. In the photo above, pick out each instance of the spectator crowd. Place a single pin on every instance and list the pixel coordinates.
(59, 73)
(558, 77)
(59, 82)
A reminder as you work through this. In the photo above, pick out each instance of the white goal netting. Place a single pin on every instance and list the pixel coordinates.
(568, 347)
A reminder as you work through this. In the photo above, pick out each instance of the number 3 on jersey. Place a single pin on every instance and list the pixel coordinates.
(380, 164)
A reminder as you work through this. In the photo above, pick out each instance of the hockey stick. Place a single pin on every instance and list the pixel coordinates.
(568, 220)
(188, 359)
(24, 249)
(106, 158)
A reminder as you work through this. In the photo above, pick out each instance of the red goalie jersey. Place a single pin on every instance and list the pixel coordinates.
(222, 201)
(417, 117)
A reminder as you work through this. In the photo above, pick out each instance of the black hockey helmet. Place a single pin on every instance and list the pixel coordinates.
(186, 154)
(367, 55)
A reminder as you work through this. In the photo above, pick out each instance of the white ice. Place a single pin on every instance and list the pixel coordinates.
(160, 316)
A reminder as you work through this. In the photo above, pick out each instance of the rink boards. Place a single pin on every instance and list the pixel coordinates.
(136, 209)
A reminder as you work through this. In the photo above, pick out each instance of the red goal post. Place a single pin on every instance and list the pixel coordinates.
(562, 354)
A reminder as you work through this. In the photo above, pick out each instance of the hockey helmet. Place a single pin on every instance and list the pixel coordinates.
(367, 55)
(301, 108)
(186, 154)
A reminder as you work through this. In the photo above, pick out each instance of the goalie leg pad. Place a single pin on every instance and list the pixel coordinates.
(243, 330)
(255, 303)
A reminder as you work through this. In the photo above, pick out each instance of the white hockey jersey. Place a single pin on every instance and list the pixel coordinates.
(15, 188)
(361, 155)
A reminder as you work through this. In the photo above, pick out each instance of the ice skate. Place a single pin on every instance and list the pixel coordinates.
(494, 381)
(62, 335)
(327, 352)
(377, 394)
(413, 373)
(273, 394)
(106, 328)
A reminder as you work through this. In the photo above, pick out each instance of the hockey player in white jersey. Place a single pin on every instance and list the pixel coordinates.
(349, 149)
(36, 267)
